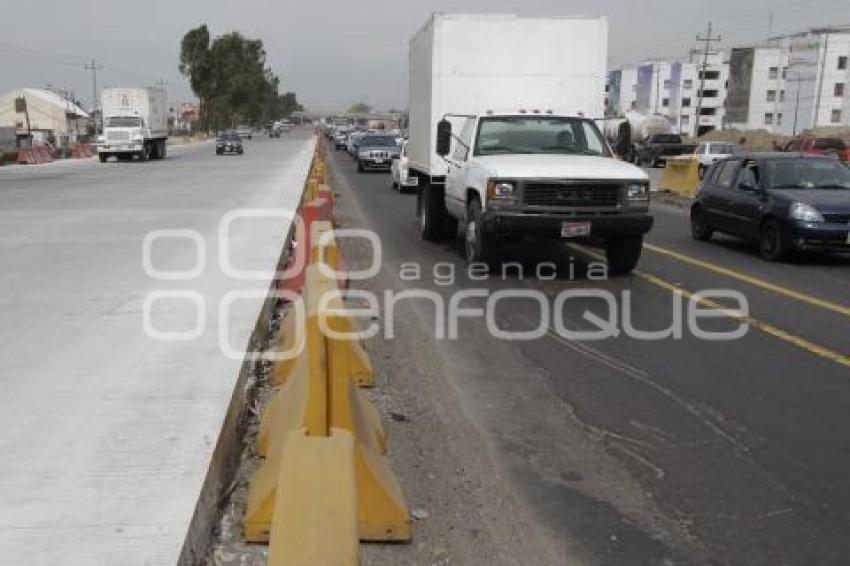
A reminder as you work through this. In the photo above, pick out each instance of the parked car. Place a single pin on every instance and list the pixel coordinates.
(709, 152)
(656, 149)
(245, 132)
(376, 151)
(402, 179)
(786, 202)
(815, 145)
(228, 142)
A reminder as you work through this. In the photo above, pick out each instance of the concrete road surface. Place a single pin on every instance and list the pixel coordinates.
(621, 451)
(106, 432)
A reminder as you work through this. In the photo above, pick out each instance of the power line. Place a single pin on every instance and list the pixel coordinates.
(94, 68)
(708, 40)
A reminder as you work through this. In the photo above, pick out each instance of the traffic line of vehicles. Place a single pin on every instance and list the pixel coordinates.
(504, 145)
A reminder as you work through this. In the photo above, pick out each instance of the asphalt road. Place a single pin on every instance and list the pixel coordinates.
(107, 432)
(664, 451)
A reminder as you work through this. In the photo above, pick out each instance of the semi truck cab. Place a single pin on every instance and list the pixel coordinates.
(533, 173)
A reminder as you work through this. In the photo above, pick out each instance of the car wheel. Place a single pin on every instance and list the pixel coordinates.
(700, 228)
(773, 243)
(360, 167)
(623, 254)
(432, 214)
(478, 245)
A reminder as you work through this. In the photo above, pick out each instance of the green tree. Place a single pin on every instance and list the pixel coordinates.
(359, 108)
(230, 77)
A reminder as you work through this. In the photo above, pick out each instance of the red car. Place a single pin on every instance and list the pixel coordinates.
(814, 145)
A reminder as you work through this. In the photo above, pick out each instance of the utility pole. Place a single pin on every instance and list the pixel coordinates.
(94, 68)
(707, 40)
(820, 82)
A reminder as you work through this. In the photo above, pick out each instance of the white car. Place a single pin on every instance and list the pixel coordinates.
(709, 152)
(402, 179)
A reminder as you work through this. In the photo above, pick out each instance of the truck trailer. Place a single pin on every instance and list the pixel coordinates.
(504, 141)
(134, 124)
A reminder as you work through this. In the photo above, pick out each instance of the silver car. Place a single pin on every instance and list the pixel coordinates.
(377, 151)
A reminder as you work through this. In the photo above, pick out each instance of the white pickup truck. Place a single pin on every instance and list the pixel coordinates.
(490, 176)
(544, 175)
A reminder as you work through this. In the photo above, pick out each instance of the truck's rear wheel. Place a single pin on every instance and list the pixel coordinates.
(145, 154)
(478, 245)
(431, 214)
(623, 254)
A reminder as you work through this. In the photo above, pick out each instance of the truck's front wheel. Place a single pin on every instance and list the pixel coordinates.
(479, 246)
(623, 254)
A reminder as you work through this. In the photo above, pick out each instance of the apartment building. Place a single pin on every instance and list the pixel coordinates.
(672, 89)
(790, 84)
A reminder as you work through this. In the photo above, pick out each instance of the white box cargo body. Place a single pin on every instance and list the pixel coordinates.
(468, 64)
(148, 103)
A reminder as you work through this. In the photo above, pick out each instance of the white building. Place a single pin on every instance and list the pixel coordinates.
(46, 114)
(672, 89)
(622, 92)
(791, 84)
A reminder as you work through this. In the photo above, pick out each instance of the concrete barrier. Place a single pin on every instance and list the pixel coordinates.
(681, 176)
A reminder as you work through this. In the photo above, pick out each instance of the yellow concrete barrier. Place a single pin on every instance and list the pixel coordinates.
(315, 512)
(321, 394)
(681, 175)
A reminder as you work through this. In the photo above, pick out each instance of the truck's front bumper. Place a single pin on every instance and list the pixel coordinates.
(544, 225)
(120, 148)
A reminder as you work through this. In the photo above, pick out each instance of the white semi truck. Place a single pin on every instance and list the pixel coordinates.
(134, 124)
(504, 141)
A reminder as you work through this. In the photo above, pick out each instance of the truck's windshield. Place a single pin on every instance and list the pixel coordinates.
(123, 122)
(539, 135)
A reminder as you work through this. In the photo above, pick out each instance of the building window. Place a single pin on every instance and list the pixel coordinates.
(771, 96)
(768, 119)
(773, 73)
(779, 119)
(665, 103)
(781, 96)
(842, 63)
(836, 116)
(710, 94)
(688, 84)
(634, 105)
(686, 120)
(784, 72)
(839, 89)
(709, 75)
(708, 112)
(668, 84)
(686, 103)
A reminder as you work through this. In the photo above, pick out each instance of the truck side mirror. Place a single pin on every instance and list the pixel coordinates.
(444, 138)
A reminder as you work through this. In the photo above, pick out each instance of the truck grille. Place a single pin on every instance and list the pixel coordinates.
(380, 154)
(561, 195)
(118, 136)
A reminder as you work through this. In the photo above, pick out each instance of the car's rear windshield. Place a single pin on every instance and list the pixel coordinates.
(836, 144)
(230, 137)
(666, 138)
(123, 122)
(724, 149)
(378, 141)
(808, 174)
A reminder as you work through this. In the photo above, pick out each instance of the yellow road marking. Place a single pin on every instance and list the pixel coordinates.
(767, 285)
(766, 327)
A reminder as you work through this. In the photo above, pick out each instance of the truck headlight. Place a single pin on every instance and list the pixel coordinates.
(805, 213)
(500, 190)
(637, 192)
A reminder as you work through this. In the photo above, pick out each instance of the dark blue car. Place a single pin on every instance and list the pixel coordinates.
(787, 202)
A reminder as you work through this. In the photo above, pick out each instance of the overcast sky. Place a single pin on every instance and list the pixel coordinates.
(333, 53)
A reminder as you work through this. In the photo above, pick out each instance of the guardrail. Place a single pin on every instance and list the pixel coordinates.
(325, 483)
(681, 176)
